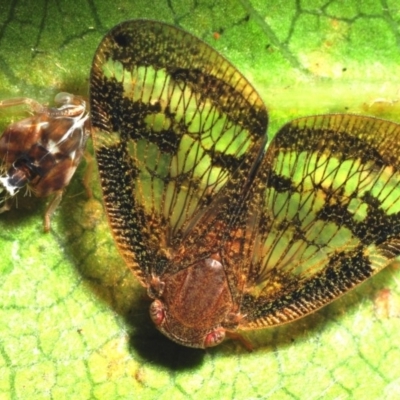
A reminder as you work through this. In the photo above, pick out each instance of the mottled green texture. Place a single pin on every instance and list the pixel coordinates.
(73, 321)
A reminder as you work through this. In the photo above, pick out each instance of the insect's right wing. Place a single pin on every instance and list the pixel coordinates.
(325, 215)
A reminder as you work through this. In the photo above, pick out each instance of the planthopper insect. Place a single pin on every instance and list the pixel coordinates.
(43, 151)
(226, 232)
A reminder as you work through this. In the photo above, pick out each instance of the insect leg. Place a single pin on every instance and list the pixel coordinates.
(35, 106)
(6, 206)
(53, 204)
(88, 173)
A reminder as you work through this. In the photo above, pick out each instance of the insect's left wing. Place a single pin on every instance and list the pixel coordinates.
(325, 215)
(172, 120)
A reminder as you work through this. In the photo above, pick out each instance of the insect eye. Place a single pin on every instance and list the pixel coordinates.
(64, 98)
(157, 313)
(26, 166)
(215, 337)
(21, 161)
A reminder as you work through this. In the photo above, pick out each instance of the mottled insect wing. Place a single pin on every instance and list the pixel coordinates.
(174, 122)
(328, 195)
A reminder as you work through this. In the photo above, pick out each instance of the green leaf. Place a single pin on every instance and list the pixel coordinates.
(73, 320)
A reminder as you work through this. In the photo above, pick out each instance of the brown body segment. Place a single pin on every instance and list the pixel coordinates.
(191, 301)
(224, 234)
(43, 151)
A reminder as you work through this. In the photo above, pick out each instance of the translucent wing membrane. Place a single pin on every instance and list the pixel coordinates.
(173, 121)
(329, 204)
